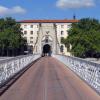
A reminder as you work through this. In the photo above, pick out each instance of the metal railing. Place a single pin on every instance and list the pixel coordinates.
(88, 71)
(10, 67)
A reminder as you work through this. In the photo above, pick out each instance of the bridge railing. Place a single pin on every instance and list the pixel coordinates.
(88, 71)
(10, 67)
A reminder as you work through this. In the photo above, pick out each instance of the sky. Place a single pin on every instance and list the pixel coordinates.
(49, 9)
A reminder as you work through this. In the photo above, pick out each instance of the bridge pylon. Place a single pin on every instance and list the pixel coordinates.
(47, 34)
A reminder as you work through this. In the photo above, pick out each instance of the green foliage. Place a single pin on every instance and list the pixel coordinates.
(10, 36)
(84, 38)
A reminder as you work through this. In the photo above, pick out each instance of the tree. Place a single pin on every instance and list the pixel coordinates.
(84, 38)
(11, 40)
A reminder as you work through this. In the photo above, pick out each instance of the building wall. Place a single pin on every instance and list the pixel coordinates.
(64, 28)
(27, 27)
(61, 29)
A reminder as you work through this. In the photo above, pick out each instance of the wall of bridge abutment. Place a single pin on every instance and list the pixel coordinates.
(86, 70)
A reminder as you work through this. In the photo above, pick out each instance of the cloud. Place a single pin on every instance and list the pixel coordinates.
(10, 11)
(75, 3)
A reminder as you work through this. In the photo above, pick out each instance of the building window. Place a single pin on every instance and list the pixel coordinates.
(69, 26)
(62, 26)
(25, 32)
(31, 32)
(61, 48)
(31, 41)
(31, 37)
(62, 32)
(37, 26)
(25, 38)
(62, 39)
(25, 26)
(31, 26)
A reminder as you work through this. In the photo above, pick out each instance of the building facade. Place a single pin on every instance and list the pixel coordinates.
(40, 33)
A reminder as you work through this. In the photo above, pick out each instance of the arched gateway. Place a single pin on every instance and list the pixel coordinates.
(46, 44)
(46, 50)
(47, 39)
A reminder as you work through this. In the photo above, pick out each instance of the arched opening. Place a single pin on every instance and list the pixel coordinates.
(62, 48)
(46, 50)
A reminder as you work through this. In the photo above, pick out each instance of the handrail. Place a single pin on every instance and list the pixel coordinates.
(87, 70)
(10, 67)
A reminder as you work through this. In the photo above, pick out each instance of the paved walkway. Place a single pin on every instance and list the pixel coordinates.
(48, 79)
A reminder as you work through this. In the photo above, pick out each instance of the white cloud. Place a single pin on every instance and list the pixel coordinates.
(9, 11)
(75, 3)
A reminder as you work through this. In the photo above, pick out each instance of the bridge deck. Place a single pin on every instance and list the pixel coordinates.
(48, 79)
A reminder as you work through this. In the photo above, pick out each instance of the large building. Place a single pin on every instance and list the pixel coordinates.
(42, 33)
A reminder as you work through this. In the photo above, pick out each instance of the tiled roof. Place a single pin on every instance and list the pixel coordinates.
(48, 21)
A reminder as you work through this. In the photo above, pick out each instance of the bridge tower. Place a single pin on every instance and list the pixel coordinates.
(47, 34)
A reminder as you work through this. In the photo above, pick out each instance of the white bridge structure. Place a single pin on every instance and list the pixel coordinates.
(86, 70)
(47, 34)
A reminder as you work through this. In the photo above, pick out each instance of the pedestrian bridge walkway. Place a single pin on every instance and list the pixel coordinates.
(49, 79)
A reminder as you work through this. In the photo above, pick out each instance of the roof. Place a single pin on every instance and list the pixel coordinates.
(48, 21)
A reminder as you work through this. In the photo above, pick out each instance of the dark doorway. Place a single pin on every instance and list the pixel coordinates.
(46, 49)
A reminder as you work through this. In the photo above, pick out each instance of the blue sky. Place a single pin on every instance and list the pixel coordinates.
(49, 9)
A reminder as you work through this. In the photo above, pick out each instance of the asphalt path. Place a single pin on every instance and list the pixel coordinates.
(49, 79)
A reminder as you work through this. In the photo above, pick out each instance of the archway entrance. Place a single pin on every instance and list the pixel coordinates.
(46, 50)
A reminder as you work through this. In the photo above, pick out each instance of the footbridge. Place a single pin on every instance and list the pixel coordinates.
(32, 77)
